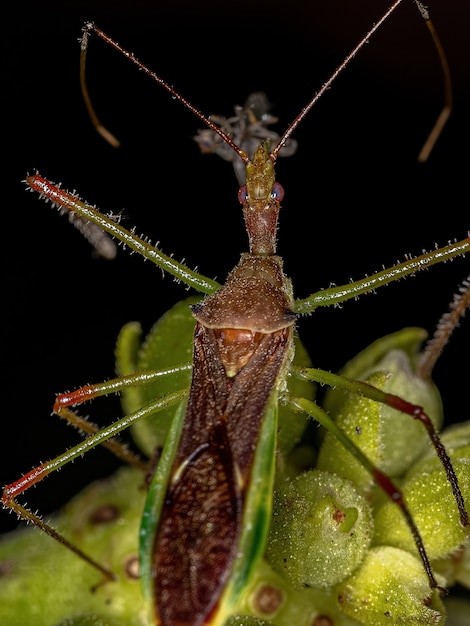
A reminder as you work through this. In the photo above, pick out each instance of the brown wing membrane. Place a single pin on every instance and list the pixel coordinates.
(198, 534)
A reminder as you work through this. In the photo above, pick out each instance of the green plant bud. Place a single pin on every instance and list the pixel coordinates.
(455, 438)
(320, 530)
(246, 620)
(390, 587)
(103, 520)
(168, 344)
(433, 507)
(389, 438)
(455, 567)
(269, 596)
(87, 620)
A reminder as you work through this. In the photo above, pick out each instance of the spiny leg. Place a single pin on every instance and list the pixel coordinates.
(434, 347)
(12, 491)
(392, 491)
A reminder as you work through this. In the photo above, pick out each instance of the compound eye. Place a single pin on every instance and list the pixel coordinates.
(242, 194)
(277, 192)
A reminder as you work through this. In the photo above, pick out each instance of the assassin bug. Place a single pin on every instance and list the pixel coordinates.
(262, 158)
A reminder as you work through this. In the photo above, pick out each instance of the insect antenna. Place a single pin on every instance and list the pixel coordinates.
(444, 115)
(90, 27)
(109, 137)
(448, 99)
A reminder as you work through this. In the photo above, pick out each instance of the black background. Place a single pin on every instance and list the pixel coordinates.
(356, 198)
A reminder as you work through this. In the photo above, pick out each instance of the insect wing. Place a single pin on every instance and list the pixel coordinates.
(155, 501)
(211, 520)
